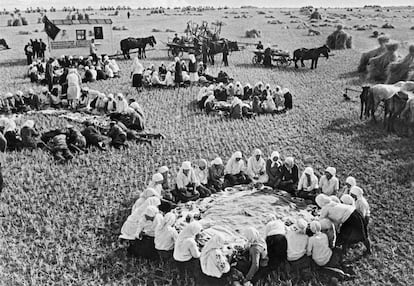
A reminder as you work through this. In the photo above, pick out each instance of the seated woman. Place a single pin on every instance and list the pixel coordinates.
(290, 176)
(274, 170)
(308, 185)
(276, 243)
(121, 104)
(186, 184)
(288, 101)
(144, 246)
(236, 109)
(110, 104)
(348, 200)
(318, 246)
(278, 97)
(30, 137)
(257, 106)
(230, 90)
(297, 241)
(118, 136)
(349, 183)
(328, 183)
(186, 251)
(201, 173)
(220, 92)
(247, 92)
(216, 175)
(361, 203)
(131, 224)
(156, 81)
(353, 229)
(234, 172)
(256, 168)
(238, 90)
(165, 237)
(146, 194)
(257, 256)
(258, 89)
(214, 263)
(169, 79)
(267, 91)
(165, 172)
(269, 105)
(203, 94)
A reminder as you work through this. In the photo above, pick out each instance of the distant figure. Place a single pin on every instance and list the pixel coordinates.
(225, 54)
(49, 73)
(42, 49)
(28, 50)
(267, 60)
(36, 48)
(128, 14)
(259, 46)
(93, 50)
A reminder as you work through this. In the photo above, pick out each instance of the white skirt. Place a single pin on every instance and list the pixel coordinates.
(73, 92)
(194, 77)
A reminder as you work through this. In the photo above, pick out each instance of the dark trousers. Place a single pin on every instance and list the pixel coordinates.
(1, 179)
(29, 59)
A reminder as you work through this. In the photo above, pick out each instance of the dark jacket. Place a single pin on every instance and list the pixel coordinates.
(274, 173)
(293, 175)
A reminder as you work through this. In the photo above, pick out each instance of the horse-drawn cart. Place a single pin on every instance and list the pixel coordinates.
(279, 57)
(175, 49)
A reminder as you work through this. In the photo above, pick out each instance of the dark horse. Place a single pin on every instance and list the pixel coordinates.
(136, 43)
(310, 54)
(4, 44)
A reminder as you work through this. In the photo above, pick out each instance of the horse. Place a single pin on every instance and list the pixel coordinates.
(310, 54)
(4, 44)
(217, 47)
(136, 43)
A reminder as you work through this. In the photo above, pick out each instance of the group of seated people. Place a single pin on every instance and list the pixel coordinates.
(244, 101)
(177, 73)
(153, 233)
(90, 70)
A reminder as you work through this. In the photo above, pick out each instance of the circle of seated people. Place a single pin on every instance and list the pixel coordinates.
(218, 256)
(239, 101)
(174, 74)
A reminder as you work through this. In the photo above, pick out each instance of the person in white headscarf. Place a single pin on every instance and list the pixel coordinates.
(30, 136)
(186, 184)
(361, 203)
(230, 90)
(274, 170)
(74, 91)
(290, 176)
(201, 173)
(278, 97)
(156, 81)
(256, 167)
(247, 92)
(238, 90)
(130, 226)
(114, 67)
(192, 69)
(137, 73)
(349, 183)
(144, 246)
(257, 254)
(276, 242)
(318, 245)
(146, 194)
(329, 183)
(169, 78)
(109, 72)
(212, 260)
(165, 172)
(348, 200)
(234, 172)
(165, 196)
(110, 105)
(269, 105)
(258, 89)
(308, 184)
(166, 236)
(216, 175)
(186, 251)
(297, 240)
(121, 104)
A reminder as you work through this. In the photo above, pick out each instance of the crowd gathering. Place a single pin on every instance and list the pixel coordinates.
(153, 233)
(244, 101)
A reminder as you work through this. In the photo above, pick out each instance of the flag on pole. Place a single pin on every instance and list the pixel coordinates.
(51, 29)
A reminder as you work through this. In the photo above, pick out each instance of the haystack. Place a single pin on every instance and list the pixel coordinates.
(399, 71)
(373, 53)
(377, 66)
(252, 34)
(339, 39)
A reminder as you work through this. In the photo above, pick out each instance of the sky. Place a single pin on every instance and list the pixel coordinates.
(23, 4)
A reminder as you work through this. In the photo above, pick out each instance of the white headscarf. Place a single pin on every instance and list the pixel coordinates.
(256, 166)
(137, 67)
(322, 200)
(348, 200)
(315, 226)
(29, 123)
(234, 167)
(272, 156)
(253, 237)
(275, 227)
(202, 175)
(351, 181)
(217, 161)
(208, 259)
(188, 233)
(357, 191)
(331, 170)
(192, 58)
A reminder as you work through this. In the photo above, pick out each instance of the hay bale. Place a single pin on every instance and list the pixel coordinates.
(399, 71)
(339, 39)
(17, 22)
(169, 31)
(316, 15)
(377, 66)
(387, 26)
(154, 30)
(373, 53)
(252, 33)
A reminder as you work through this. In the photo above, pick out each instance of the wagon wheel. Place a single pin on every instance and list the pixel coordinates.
(283, 62)
(255, 60)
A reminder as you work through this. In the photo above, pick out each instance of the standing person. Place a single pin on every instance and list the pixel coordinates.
(128, 14)
(136, 73)
(93, 50)
(74, 90)
(2, 162)
(49, 73)
(225, 54)
(42, 49)
(28, 50)
(204, 52)
(36, 48)
(361, 203)
(192, 69)
(267, 60)
(178, 76)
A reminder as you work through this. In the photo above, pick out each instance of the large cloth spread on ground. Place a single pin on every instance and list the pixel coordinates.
(233, 210)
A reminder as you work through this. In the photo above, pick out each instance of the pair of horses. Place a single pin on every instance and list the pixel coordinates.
(394, 96)
(136, 43)
(310, 54)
